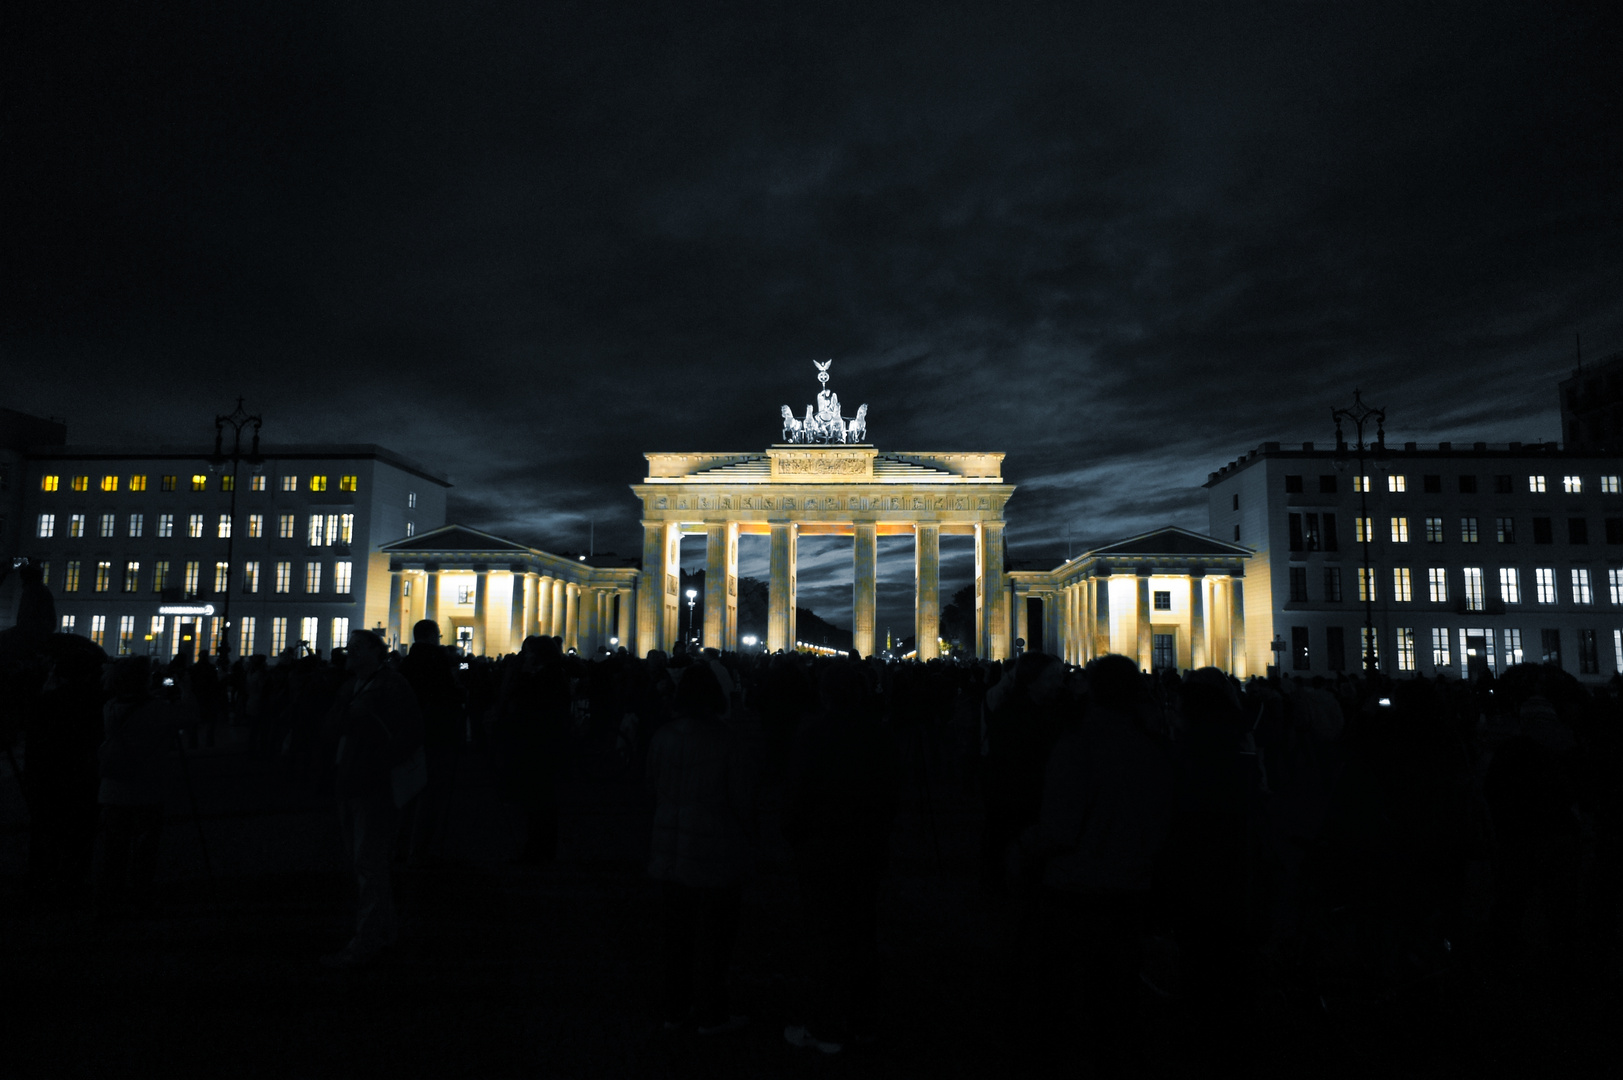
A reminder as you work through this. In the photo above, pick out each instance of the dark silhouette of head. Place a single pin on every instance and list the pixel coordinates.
(1114, 682)
(699, 692)
(425, 632)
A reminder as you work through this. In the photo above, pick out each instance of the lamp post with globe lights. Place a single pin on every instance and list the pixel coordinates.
(1359, 415)
(237, 420)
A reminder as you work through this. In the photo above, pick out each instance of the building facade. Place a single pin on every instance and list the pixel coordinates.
(1478, 557)
(154, 551)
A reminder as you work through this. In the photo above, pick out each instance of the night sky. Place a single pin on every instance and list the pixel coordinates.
(525, 243)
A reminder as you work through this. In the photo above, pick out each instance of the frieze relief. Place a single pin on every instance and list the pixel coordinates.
(822, 464)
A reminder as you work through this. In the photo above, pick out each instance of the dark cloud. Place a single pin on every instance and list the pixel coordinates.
(526, 243)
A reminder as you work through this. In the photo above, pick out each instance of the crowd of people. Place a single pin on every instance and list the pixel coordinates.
(1182, 837)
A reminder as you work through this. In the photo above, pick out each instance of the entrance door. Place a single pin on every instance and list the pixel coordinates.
(1164, 651)
(464, 638)
(1476, 656)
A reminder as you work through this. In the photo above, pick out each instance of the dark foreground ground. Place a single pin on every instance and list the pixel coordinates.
(509, 971)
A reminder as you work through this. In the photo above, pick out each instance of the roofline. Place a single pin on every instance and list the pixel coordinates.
(196, 452)
(1409, 451)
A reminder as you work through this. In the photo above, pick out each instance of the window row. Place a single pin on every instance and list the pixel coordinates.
(184, 632)
(1472, 581)
(193, 575)
(324, 530)
(1476, 652)
(1317, 532)
(1432, 484)
(198, 482)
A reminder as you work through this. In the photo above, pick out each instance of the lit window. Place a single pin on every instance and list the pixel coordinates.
(49, 483)
(464, 594)
(228, 483)
(1396, 483)
(285, 526)
(1366, 584)
(1572, 485)
(47, 526)
(256, 526)
(1506, 529)
(411, 500)
(200, 481)
(137, 524)
(104, 576)
(309, 627)
(1544, 582)
(167, 483)
(346, 528)
(284, 577)
(346, 483)
(1361, 483)
(1617, 647)
(1473, 589)
(1371, 646)
(1535, 483)
(98, 630)
(256, 483)
(138, 482)
(1437, 580)
(1363, 530)
(194, 526)
(132, 576)
(1434, 530)
(166, 526)
(1400, 530)
(312, 577)
(1608, 485)
(278, 634)
(318, 483)
(250, 576)
(76, 526)
(109, 483)
(1439, 647)
(342, 572)
(81, 483)
(411, 529)
(1580, 587)
(45, 572)
(194, 573)
(1513, 647)
(225, 526)
(1405, 635)
(68, 623)
(1467, 530)
(1402, 590)
(314, 537)
(290, 483)
(126, 634)
(1614, 582)
(1510, 585)
(222, 576)
(109, 525)
(70, 576)
(160, 577)
(332, 529)
(340, 630)
(247, 646)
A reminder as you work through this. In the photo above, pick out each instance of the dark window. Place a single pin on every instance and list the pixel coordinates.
(1236, 532)
(1431, 484)
(1542, 532)
(1296, 532)
(1330, 532)
(1505, 528)
(1164, 653)
(1299, 584)
(1163, 601)
(1577, 531)
(1310, 532)
(1588, 653)
(1299, 657)
(1552, 646)
(1332, 584)
(1327, 484)
(1293, 485)
(1335, 649)
(1236, 500)
(1502, 485)
(1467, 485)
(1614, 530)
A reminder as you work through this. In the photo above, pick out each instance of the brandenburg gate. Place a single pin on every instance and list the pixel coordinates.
(824, 479)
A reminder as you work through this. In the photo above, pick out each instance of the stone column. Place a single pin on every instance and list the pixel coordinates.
(730, 639)
(571, 634)
(673, 585)
(1237, 627)
(1217, 623)
(1053, 619)
(543, 605)
(532, 601)
(996, 606)
(715, 586)
(625, 623)
(1022, 614)
(864, 598)
(927, 586)
(780, 613)
(1103, 645)
(560, 604)
(515, 611)
(586, 621)
(1197, 620)
(1146, 640)
(650, 590)
(481, 611)
(431, 598)
(1075, 635)
(397, 583)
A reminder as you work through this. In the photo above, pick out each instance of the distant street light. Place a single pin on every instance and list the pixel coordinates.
(692, 595)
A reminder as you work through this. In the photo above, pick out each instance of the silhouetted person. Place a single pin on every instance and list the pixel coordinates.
(704, 821)
(64, 730)
(532, 732)
(378, 727)
(207, 692)
(839, 804)
(1022, 723)
(432, 673)
(140, 726)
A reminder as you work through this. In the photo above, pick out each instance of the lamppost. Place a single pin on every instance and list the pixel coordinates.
(238, 419)
(1359, 415)
(692, 595)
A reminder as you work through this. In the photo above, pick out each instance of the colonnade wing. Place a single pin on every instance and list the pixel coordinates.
(792, 491)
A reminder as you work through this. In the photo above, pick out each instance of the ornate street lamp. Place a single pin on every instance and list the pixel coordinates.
(692, 595)
(1359, 415)
(237, 420)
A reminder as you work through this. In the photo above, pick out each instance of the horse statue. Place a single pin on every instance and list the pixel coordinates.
(810, 429)
(792, 428)
(857, 430)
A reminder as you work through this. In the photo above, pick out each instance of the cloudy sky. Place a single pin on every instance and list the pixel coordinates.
(527, 242)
